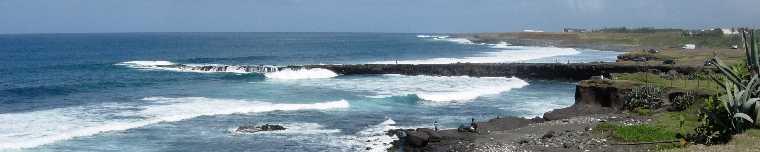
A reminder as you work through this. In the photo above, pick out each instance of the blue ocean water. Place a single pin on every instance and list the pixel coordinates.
(104, 92)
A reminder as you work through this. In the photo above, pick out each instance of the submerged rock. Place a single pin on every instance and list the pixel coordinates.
(253, 129)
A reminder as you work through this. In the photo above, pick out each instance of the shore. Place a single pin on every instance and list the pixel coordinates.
(566, 129)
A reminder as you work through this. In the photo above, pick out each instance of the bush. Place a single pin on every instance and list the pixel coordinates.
(682, 102)
(644, 97)
(737, 108)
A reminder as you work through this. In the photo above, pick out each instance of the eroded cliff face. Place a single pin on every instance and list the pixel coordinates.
(594, 97)
(602, 93)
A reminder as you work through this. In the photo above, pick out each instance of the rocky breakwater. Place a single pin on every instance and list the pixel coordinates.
(550, 71)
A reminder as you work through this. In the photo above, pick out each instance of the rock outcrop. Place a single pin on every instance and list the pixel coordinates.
(594, 97)
(254, 129)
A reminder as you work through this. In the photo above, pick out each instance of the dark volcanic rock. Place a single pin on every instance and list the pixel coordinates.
(417, 139)
(503, 123)
(547, 135)
(573, 71)
(594, 97)
(433, 136)
(253, 129)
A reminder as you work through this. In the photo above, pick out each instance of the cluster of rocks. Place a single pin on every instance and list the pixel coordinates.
(254, 129)
(570, 140)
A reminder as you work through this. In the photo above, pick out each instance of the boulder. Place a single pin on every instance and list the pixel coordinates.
(417, 139)
(253, 129)
(433, 136)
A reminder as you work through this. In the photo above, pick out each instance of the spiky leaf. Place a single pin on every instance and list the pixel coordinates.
(744, 116)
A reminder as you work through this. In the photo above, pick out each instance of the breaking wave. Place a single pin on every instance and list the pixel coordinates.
(32, 129)
(290, 74)
(375, 137)
(506, 53)
(272, 72)
(428, 88)
(200, 68)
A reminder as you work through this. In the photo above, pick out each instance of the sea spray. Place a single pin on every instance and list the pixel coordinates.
(35, 128)
(290, 74)
(444, 89)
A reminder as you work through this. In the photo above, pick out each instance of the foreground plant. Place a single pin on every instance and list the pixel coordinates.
(737, 108)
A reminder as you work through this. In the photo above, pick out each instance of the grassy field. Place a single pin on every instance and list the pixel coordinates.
(616, 41)
(697, 83)
(686, 57)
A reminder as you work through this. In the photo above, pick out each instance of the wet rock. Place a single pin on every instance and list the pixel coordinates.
(417, 139)
(253, 129)
(548, 135)
(433, 136)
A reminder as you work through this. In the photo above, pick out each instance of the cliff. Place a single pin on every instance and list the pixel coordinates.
(594, 97)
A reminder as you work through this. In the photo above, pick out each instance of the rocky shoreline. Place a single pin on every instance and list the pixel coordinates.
(566, 129)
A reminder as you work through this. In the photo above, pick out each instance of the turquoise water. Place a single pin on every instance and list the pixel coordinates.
(104, 92)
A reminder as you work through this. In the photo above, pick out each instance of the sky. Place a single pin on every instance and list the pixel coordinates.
(395, 16)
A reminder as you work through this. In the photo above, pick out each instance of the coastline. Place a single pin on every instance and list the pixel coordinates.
(565, 129)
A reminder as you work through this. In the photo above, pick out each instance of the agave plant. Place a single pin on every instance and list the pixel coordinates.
(740, 98)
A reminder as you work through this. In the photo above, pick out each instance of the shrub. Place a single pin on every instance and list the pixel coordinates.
(737, 108)
(644, 97)
(682, 102)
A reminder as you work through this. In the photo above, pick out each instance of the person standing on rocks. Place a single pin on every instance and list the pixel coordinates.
(474, 125)
(435, 124)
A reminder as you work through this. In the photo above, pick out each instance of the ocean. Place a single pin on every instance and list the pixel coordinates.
(120, 92)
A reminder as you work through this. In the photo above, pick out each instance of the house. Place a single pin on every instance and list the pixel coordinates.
(689, 46)
(729, 31)
(533, 31)
(574, 30)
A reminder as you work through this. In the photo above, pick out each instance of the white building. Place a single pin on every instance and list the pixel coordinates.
(729, 31)
(533, 31)
(689, 46)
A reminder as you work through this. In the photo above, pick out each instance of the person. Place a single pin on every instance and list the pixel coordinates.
(474, 125)
(435, 124)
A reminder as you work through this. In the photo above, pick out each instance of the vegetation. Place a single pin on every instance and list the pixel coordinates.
(644, 97)
(737, 107)
(698, 82)
(637, 30)
(682, 102)
(636, 133)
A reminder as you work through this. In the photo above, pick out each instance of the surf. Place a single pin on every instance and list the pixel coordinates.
(270, 71)
(440, 89)
(36, 128)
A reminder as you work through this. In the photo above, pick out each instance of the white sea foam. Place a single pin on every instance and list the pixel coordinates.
(379, 141)
(31, 129)
(314, 73)
(533, 109)
(429, 88)
(145, 64)
(373, 137)
(504, 53)
(272, 72)
(198, 68)
(507, 53)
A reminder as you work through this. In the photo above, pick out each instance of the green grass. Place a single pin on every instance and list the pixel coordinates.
(636, 133)
(671, 121)
(643, 112)
(642, 133)
(753, 133)
(682, 84)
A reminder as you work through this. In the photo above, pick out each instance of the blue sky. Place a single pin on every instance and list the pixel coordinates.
(412, 16)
